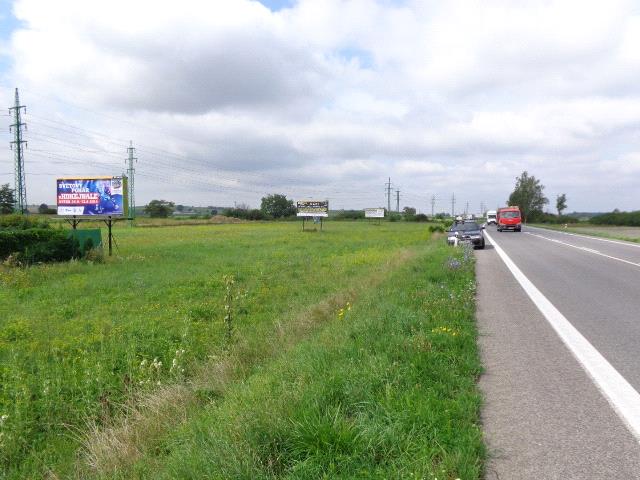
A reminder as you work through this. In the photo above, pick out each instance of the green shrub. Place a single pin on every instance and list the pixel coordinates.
(348, 214)
(438, 227)
(628, 219)
(246, 214)
(95, 255)
(553, 219)
(21, 222)
(37, 245)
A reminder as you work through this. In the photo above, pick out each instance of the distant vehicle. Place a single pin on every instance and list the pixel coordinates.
(509, 218)
(469, 232)
(492, 217)
(469, 216)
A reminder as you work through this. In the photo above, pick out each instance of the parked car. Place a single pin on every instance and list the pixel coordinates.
(509, 218)
(469, 232)
(492, 218)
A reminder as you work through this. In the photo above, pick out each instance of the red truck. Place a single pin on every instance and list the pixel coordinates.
(509, 218)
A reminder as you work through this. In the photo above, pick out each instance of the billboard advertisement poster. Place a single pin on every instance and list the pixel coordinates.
(312, 208)
(374, 213)
(92, 196)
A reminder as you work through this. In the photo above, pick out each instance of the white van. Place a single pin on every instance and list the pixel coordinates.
(492, 217)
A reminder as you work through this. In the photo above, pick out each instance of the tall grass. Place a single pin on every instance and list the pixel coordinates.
(386, 389)
(80, 340)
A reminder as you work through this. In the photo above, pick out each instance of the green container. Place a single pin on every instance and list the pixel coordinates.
(87, 239)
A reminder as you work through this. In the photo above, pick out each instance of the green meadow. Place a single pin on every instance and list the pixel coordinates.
(248, 350)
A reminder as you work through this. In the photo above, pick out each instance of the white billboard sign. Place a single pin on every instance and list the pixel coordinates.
(313, 208)
(374, 212)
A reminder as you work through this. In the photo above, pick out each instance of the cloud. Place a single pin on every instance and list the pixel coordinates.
(335, 96)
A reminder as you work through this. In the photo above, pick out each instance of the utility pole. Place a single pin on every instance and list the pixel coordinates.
(453, 205)
(388, 187)
(20, 181)
(131, 173)
(466, 209)
(398, 201)
(433, 205)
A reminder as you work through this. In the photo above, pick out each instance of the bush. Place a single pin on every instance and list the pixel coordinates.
(95, 255)
(348, 214)
(438, 227)
(627, 219)
(553, 219)
(394, 217)
(38, 245)
(420, 217)
(21, 222)
(246, 214)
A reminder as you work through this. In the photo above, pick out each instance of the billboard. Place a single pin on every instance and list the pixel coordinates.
(374, 213)
(312, 208)
(92, 196)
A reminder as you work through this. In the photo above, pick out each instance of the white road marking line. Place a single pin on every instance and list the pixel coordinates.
(624, 399)
(585, 249)
(591, 237)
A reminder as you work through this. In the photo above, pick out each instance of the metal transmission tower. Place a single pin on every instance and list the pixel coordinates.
(16, 145)
(388, 187)
(398, 201)
(433, 205)
(453, 205)
(130, 173)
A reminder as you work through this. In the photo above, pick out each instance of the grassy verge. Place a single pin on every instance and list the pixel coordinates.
(628, 234)
(81, 342)
(386, 388)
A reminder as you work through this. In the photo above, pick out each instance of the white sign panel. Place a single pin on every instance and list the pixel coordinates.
(374, 212)
(313, 208)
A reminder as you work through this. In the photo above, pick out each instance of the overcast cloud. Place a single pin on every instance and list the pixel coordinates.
(229, 100)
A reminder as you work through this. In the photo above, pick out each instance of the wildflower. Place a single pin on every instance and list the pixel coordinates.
(3, 418)
(156, 364)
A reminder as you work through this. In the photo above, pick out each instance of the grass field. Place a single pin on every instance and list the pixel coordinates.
(630, 234)
(359, 341)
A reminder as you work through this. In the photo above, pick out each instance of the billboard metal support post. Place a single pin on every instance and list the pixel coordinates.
(74, 222)
(109, 223)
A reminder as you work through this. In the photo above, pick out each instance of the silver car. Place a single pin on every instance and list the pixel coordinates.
(469, 232)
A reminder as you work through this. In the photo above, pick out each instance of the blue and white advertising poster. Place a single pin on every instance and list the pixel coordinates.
(91, 196)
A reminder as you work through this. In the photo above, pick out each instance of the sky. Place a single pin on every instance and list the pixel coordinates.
(226, 101)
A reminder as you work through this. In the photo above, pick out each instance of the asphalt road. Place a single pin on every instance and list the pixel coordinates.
(544, 417)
